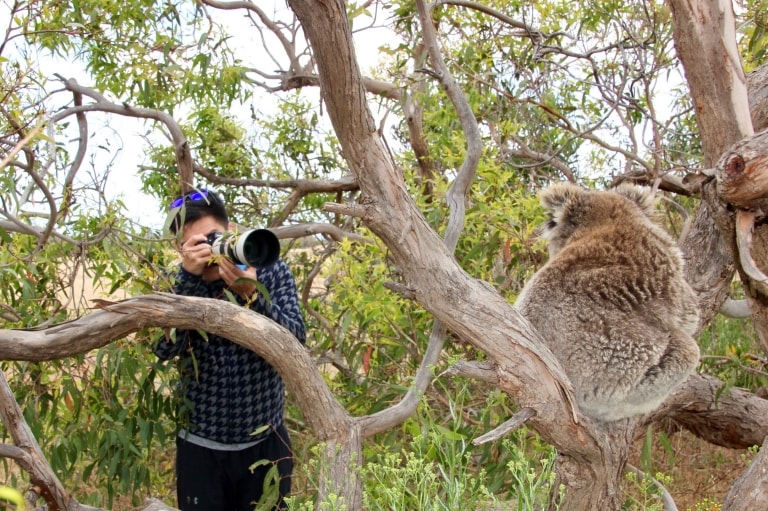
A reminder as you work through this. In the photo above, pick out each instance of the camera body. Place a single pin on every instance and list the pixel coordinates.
(258, 248)
(213, 237)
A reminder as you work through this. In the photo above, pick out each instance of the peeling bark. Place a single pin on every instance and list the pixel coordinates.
(757, 85)
(750, 491)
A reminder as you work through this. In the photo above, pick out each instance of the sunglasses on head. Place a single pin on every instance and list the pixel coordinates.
(195, 195)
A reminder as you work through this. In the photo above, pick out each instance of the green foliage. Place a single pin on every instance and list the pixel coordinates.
(141, 49)
(103, 419)
(645, 493)
(379, 334)
(12, 496)
(432, 465)
(754, 30)
(587, 71)
(730, 352)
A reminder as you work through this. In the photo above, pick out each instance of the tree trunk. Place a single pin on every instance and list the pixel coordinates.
(595, 483)
(705, 39)
(704, 33)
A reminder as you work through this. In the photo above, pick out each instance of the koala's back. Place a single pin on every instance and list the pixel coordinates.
(613, 306)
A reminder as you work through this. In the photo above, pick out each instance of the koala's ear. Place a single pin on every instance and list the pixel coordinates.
(642, 196)
(556, 196)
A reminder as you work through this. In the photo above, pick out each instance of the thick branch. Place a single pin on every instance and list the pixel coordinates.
(742, 172)
(730, 418)
(326, 418)
(118, 319)
(306, 186)
(757, 85)
(330, 230)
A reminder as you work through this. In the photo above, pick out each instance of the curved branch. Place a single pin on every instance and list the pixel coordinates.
(729, 417)
(82, 146)
(735, 308)
(458, 191)
(745, 223)
(456, 197)
(252, 7)
(330, 230)
(291, 80)
(102, 104)
(28, 452)
(326, 418)
(536, 35)
(119, 319)
(306, 186)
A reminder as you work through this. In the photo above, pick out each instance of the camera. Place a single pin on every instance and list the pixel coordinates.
(258, 248)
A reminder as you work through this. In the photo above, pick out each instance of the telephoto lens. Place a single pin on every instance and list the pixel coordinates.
(258, 248)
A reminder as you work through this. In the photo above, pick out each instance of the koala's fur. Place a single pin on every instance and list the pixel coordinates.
(611, 303)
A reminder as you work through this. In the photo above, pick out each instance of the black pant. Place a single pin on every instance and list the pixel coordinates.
(214, 480)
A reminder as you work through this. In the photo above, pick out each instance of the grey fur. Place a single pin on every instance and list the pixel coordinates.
(612, 303)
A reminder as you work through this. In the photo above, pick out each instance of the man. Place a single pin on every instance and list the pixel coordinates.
(231, 412)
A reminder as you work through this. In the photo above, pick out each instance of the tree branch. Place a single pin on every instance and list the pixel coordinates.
(31, 457)
(101, 104)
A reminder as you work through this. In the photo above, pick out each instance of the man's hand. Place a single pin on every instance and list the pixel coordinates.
(195, 254)
(231, 273)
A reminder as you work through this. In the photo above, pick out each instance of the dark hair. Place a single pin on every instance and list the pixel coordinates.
(193, 210)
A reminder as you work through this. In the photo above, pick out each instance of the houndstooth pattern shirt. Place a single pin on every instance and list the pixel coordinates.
(227, 391)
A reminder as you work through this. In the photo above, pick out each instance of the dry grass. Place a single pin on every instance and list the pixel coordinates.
(699, 470)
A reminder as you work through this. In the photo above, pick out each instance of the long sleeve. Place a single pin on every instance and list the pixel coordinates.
(283, 303)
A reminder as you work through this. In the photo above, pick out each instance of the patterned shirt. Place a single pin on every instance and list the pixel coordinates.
(227, 391)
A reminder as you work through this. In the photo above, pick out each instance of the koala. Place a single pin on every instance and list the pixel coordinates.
(611, 303)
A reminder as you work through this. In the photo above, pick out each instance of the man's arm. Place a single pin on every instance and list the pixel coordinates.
(283, 304)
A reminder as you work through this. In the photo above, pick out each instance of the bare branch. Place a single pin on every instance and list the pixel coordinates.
(735, 308)
(21, 145)
(483, 371)
(456, 198)
(526, 29)
(459, 189)
(101, 104)
(742, 172)
(305, 186)
(32, 460)
(729, 417)
(304, 230)
(254, 8)
(666, 498)
(326, 418)
(515, 422)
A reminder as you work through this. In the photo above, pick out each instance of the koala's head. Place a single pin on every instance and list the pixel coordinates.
(572, 208)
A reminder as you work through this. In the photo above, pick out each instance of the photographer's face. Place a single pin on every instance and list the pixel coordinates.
(193, 239)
